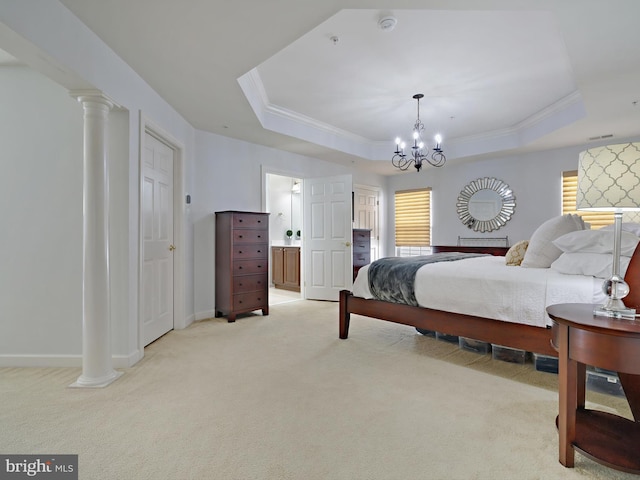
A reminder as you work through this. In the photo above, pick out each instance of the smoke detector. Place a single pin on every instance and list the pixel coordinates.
(387, 23)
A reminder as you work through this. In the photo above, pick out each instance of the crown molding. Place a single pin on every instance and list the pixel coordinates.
(279, 119)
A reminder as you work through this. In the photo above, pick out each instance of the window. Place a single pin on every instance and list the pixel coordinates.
(413, 222)
(569, 190)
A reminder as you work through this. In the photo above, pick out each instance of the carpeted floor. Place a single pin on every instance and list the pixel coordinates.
(281, 397)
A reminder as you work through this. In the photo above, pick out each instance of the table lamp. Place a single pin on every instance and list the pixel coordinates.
(609, 180)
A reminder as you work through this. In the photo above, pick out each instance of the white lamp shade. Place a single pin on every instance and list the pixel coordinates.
(609, 178)
(631, 217)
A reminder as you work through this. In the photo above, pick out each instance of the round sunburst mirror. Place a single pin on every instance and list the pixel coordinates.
(485, 204)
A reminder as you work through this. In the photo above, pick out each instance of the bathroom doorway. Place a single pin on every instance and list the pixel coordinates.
(283, 200)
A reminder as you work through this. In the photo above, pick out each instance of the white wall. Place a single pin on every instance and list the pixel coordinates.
(41, 130)
(285, 208)
(41, 212)
(124, 329)
(535, 179)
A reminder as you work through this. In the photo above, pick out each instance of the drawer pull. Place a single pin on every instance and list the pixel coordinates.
(259, 251)
(239, 236)
(240, 267)
(239, 251)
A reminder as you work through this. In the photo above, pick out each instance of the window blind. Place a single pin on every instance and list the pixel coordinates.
(569, 191)
(413, 218)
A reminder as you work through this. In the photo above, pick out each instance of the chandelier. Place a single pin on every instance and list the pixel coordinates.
(419, 151)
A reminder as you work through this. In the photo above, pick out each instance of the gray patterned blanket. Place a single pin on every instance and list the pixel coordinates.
(392, 279)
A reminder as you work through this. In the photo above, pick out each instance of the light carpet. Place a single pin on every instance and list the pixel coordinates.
(281, 397)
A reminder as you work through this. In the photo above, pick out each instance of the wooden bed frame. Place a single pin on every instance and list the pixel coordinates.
(499, 332)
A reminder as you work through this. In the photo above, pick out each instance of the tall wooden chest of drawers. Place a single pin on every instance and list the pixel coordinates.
(361, 249)
(242, 263)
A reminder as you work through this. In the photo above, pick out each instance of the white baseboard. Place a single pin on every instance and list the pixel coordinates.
(40, 360)
(126, 361)
(63, 361)
(204, 315)
(189, 320)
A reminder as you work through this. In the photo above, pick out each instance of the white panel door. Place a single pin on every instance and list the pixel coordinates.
(157, 232)
(327, 239)
(366, 208)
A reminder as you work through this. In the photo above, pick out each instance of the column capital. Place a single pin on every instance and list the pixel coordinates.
(90, 95)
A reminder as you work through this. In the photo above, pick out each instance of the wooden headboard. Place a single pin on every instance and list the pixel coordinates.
(498, 251)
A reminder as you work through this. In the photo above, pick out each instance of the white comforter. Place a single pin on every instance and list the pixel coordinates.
(487, 287)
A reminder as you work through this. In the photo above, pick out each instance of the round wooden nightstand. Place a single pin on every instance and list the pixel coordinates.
(614, 344)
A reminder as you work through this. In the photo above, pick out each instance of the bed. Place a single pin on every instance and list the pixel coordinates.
(521, 325)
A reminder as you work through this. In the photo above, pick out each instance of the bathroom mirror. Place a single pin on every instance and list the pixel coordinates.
(485, 204)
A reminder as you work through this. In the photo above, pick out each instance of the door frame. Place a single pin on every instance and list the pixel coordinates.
(179, 214)
(379, 192)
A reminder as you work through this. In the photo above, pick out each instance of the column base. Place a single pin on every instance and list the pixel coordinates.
(87, 382)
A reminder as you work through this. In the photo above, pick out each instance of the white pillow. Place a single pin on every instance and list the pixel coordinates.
(626, 227)
(596, 241)
(598, 265)
(541, 252)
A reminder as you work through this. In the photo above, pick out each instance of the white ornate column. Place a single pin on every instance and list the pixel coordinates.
(97, 370)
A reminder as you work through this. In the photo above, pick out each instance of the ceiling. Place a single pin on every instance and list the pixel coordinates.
(323, 79)
(6, 59)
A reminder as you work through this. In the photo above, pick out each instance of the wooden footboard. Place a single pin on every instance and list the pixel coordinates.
(508, 334)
